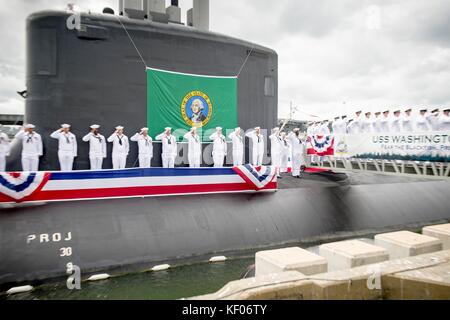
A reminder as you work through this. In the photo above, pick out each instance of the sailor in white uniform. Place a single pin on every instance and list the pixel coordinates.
(67, 147)
(145, 146)
(444, 120)
(121, 148)
(194, 148)
(285, 150)
(297, 147)
(219, 147)
(384, 123)
(169, 148)
(275, 149)
(324, 129)
(395, 122)
(421, 122)
(354, 127)
(257, 146)
(336, 125)
(97, 147)
(238, 146)
(407, 121)
(367, 123)
(5, 147)
(31, 148)
(377, 122)
(433, 119)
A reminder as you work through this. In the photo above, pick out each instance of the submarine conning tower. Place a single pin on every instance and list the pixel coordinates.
(92, 73)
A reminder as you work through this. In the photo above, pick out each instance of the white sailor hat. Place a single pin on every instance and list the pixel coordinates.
(167, 128)
(257, 128)
(296, 129)
(219, 128)
(30, 126)
(95, 126)
(144, 129)
(193, 128)
(65, 126)
(237, 128)
(119, 128)
(276, 129)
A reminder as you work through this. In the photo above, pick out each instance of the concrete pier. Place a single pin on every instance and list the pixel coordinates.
(289, 259)
(403, 244)
(351, 253)
(441, 232)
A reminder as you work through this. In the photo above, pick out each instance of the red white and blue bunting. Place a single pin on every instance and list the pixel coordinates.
(320, 145)
(128, 183)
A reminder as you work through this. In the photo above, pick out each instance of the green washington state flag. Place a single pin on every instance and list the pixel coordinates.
(182, 101)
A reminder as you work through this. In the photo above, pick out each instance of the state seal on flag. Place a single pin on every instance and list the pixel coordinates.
(196, 108)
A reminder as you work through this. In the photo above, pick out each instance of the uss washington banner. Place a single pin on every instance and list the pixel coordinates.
(414, 146)
(181, 101)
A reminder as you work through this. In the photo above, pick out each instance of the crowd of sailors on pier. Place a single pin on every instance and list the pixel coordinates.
(284, 146)
(384, 122)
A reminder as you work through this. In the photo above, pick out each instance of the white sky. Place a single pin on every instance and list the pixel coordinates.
(334, 56)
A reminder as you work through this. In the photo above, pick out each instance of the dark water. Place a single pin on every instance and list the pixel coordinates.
(176, 283)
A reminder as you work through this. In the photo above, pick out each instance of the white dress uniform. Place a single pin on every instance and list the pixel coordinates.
(285, 150)
(407, 123)
(169, 149)
(219, 149)
(355, 126)
(384, 125)
(31, 150)
(257, 147)
(336, 126)
(67, 149)
(145, 146)
(377, 125)
(121, 148)
(323, 129)
(275, 150)
(434, 121)
(297, 147)
(238, 148)
(5, 148)
(444, 123)
(97, 149)
(194, 149)
(395, 124)
(422, 123)
(367, 125)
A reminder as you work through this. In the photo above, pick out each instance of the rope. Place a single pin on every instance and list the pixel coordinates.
(245, 61)
(135, 47)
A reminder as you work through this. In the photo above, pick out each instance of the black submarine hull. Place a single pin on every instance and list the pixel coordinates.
(139, 233)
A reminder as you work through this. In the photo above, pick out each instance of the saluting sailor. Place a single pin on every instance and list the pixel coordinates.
(422, 123)
(194, 148)
(285, 152)
(219, 147)
(355, 126)
(433, 119)
(121, 148)
(444, 121)
(238, 146)
(67, 147)
(275, 149)
(169, 148)
(395, 125)
(257, 146)
(377, 122)
(297, 147)
(407, 121)
(5, 147)
(384, 122)
(145, 146)
(97, 147)
(367, 123)
(31, 147)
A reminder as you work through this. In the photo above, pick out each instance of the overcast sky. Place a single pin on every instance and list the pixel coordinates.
(334, 56)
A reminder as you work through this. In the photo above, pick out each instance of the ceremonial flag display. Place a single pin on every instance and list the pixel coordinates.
(128, 183)
(320, 145)
(182, 101)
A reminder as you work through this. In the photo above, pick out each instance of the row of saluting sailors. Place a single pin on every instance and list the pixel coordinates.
(384, 122)
(281, 147)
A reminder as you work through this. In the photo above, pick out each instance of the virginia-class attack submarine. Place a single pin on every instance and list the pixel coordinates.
(94, 74)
